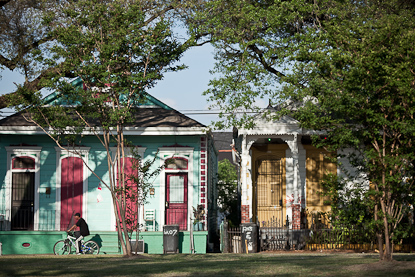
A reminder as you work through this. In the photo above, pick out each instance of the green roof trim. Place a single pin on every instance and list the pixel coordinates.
(53, 98)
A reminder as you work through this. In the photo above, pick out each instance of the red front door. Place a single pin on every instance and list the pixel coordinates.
(176, 199)
(72, 182)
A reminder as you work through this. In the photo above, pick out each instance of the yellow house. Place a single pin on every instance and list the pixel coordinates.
(280, 172)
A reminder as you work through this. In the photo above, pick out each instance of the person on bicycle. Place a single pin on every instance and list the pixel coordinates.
(83, 231)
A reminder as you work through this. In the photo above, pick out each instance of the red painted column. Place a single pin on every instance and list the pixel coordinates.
(204, 178)
(296, 211)
(245, 214)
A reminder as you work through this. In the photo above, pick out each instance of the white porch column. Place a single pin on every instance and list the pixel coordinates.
(246, 180)
(293, 192)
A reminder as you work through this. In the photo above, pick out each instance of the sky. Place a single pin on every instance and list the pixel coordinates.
(180, 90)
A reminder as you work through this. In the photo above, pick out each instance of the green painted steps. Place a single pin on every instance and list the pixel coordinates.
(107, 242)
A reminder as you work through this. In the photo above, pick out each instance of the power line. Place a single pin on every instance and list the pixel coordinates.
(207, 113)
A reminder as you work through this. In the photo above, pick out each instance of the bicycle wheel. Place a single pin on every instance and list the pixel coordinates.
(61, 248)
(91, 247)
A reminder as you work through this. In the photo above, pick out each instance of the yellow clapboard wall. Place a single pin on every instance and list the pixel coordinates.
(317, 166)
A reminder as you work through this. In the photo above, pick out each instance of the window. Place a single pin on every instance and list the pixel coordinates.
(23, 163)
(176, 164)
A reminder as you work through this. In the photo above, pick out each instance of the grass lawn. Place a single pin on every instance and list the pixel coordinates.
(260, 264)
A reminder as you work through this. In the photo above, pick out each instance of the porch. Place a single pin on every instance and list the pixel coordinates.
(38, 236)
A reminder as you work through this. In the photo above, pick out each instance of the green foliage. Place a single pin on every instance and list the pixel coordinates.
(342, 67)
(198, 213)
(228, 200)
(360, 74)
(254, 41)
(118, 49)
(351, 208)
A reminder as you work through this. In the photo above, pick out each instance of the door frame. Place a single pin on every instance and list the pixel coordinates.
(186, 190)
(22, 151)
(67, 153)
(166, 153)
(277, 151)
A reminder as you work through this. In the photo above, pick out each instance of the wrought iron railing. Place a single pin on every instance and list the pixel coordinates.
(4, 219)
(47, 221)
(277, 235)
(25, 219)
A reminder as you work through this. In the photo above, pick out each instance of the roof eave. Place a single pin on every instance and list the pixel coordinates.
(146, 131)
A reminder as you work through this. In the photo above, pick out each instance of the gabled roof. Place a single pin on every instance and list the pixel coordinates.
(143, 117)
(54, 97)
(265, 125)
(151, 113)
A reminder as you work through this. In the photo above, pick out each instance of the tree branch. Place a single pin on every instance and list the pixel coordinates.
(11, 64)
(260, 58)
(34, 85)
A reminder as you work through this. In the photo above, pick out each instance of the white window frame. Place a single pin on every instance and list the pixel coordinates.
(128, 154)
(166, 153)
(22, 151)
(65, 153)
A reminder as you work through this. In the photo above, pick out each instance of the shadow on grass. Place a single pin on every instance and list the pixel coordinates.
(207, 265)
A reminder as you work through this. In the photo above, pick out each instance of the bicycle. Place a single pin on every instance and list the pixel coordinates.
(63, 247)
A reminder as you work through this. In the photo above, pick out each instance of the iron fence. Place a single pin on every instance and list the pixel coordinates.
(277, 235)
(25, 220)
(47, 221)
(3, 220)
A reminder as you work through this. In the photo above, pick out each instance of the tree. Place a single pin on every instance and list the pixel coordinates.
(118, 49)
(362, 76)
(137, 187)
(254, 41)
(347, 68)
(21, 32)
(228, 200)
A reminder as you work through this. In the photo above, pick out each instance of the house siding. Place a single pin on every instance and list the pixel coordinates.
(99, 211)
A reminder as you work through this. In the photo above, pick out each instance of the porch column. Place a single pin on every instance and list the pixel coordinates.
(293, 197)
(246, 181)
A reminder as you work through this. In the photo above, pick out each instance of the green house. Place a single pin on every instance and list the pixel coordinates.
(42, 185)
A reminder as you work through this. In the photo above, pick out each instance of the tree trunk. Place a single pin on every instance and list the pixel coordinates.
(388, 252)
(383, 202)
(379, 236)
(118, 224)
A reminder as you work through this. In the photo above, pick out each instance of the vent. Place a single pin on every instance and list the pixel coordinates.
(140, 246)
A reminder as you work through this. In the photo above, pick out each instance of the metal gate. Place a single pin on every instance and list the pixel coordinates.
(275, 235)
(230, 239)
(269, 196)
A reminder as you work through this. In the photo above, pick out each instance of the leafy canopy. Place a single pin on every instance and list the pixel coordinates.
(341, 67)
